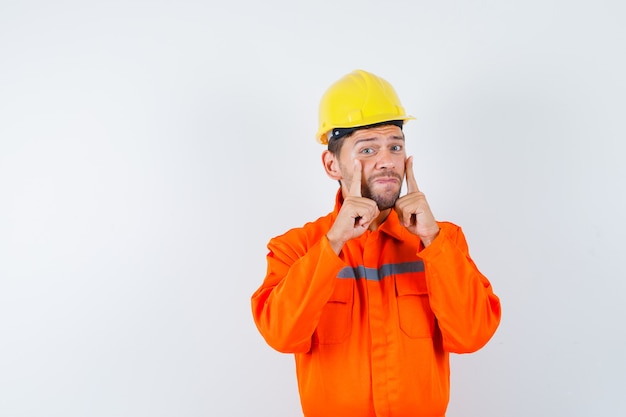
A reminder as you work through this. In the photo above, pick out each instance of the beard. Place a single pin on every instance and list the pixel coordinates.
(386, 198)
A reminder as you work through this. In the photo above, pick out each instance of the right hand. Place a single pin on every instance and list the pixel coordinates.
(355, 215)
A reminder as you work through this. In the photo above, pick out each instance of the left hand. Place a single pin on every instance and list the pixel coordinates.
(413, 210)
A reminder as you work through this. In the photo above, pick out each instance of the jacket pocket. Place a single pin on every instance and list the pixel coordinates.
(336, 320)
(416, 318)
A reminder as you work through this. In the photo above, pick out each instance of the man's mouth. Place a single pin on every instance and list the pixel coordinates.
(386, 180)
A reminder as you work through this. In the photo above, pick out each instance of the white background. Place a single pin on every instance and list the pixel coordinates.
(150, 149)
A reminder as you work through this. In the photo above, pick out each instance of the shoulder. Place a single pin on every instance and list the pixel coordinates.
(452, 233)
(300, 239)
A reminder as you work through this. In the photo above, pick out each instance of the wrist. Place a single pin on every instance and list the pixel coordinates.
(335, 244)
(427, 240)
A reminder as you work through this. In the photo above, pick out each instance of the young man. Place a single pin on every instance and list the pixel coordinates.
(372, 297)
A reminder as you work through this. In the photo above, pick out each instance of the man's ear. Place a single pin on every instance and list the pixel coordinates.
(331, 165)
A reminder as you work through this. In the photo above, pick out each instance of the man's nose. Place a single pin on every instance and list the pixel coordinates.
(384, 161)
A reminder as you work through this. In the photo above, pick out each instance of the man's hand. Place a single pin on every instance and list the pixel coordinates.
(413, 210)
(355, 215)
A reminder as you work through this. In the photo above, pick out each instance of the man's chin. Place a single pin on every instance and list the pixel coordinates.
(384, 196)
(384, 201)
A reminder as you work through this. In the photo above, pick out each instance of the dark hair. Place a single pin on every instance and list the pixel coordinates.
(335, 145)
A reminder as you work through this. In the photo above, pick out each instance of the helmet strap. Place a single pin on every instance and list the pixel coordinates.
(339, 132)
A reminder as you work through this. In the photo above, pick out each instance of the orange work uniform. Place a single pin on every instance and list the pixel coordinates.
(372, 327)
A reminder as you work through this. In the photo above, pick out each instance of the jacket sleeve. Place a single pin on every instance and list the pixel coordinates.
(299, 282)
(467, 310)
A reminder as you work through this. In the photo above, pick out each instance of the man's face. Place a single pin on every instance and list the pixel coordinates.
(382, 155)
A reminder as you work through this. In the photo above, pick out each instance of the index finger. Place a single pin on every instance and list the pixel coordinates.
(355, 184)
(411, 183)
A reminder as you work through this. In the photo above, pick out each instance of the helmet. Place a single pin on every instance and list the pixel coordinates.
(358, 99)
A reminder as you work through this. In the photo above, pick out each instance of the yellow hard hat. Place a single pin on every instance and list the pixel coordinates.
(356, 100)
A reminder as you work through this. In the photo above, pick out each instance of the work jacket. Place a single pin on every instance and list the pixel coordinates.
(372, 327)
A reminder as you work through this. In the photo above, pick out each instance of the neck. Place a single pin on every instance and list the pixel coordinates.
(375, 224)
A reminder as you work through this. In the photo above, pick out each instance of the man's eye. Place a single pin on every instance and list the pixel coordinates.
(396, 148)
(367, 150)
